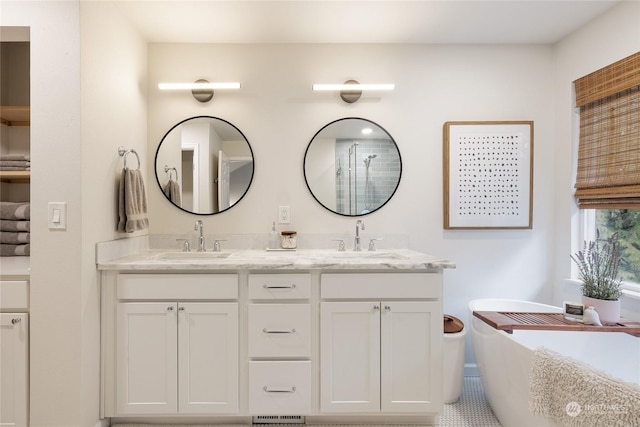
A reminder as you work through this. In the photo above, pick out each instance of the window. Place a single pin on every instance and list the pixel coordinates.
(625, 222)
(608, 175)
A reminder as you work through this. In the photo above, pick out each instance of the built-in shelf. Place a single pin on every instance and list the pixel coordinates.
(17, 177)
(15, 115)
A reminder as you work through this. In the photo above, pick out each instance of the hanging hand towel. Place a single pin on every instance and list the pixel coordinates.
(172, 191)
(132, 202)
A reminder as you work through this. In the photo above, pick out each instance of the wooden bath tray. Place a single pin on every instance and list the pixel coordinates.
(508, 321)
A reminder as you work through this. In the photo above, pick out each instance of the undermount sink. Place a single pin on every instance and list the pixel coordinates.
(366, 255)
(176, 256)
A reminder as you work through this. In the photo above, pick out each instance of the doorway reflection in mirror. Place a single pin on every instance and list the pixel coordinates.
(215, 165)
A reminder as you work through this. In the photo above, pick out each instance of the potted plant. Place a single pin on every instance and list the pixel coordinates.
(598, 265)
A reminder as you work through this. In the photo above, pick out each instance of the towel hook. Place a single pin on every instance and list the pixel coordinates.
(123, 153)
(168, 170)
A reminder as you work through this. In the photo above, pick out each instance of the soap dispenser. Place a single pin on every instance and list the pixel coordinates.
(274, 239)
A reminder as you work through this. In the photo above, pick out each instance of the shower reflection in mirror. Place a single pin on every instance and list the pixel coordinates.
(367, 173)
(352, 166)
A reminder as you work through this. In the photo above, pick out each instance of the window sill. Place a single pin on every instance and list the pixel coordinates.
(628, 291)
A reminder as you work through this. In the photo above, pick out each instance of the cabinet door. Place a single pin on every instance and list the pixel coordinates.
(350, 357)
(146, 363)
(208, 357)
(14, 339)
(411, 357)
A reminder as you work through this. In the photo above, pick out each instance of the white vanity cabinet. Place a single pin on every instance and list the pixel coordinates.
(380, 343)
(283, 337)
(14, 353)
(175, 345)
(279, 343)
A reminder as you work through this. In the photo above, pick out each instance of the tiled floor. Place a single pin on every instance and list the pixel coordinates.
(471, 410)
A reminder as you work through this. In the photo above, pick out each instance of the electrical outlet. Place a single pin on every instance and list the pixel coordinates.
(284, 215)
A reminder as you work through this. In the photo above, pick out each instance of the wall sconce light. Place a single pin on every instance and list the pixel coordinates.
(351, 90)
(202, 90)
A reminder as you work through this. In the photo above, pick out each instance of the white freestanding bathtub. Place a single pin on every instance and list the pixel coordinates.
(504, 360)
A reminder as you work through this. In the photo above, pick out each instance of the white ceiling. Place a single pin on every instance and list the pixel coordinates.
(360, 21)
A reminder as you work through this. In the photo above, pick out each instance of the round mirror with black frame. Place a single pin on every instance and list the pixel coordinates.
(204, 165)
(352, 166)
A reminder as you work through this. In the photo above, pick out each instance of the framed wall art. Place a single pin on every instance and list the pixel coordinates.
(488, 175)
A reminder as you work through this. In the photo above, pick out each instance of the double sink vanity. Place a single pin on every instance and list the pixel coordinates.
(315, 335)
(271, 336)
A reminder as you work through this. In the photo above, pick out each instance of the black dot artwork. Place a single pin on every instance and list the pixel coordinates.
(489, 183)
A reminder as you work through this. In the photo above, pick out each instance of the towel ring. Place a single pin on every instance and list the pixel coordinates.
(123, 153)
(168, 170)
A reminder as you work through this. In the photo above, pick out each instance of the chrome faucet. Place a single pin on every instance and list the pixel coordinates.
(201, 242)
(357, 246)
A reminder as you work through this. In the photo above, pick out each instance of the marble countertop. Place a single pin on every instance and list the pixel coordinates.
(303, 259)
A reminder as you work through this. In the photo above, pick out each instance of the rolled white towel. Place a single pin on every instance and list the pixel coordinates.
(26, 157)
(15, 237)
(15, 250)
(15, 225)
(13, 210)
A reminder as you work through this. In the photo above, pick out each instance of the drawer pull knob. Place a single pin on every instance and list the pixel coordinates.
(279, 390)
(170, 308)
(265, 286)
(273, 331)
(388, 308)
(15, 320)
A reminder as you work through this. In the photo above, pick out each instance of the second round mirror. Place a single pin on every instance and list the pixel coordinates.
(352, 166)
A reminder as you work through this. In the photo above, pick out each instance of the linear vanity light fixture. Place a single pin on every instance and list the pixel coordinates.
(202, 90)
(351, 90)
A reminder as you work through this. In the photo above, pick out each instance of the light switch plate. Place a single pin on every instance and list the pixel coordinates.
(57, 215)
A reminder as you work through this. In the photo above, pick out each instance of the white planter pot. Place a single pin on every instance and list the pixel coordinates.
(608, 311)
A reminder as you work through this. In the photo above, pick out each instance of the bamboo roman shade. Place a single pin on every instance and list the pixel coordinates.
(609, 149)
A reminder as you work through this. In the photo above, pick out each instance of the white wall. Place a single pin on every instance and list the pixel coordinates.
(114, 113)
(55, 308)
(279, 114)
(87, 97)
(609, 38)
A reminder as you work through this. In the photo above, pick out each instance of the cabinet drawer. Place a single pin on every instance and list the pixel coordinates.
(282, 388)
(279, 286)
(381, 285)
(14, 295)
(279, 330)
(177, 286)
